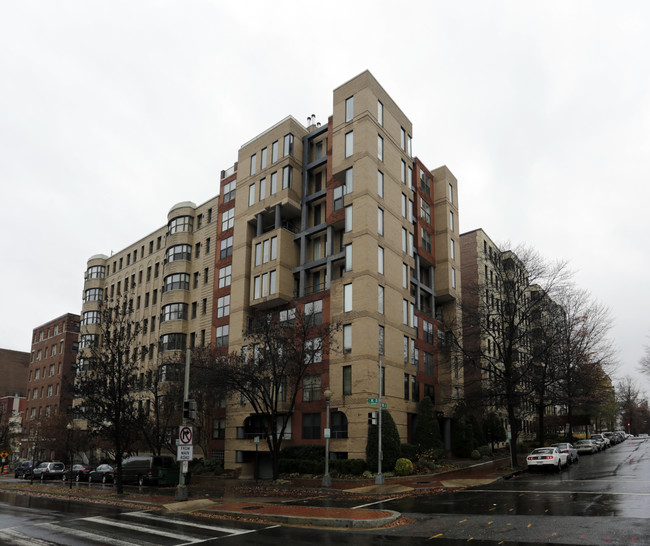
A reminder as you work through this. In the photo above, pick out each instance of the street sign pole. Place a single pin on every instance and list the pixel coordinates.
(181, 491)
(379, 478)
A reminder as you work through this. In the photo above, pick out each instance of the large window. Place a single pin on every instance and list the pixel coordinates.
(426, 241)
(288, 144)
(177, 281)
(347, 298)
(427, 363)
(173, 342)
(181, 224)
(380, 184)
(251, 195)
(225, 276)
(287, 177)
(288, 317)
(347, 380)
(380, 148)
(380, 221)
(380, 113)
(380, 299)
(311, 388)
(90, 317)
(228, 219)
(218, 429)
(253, 164)
(347, 338)
(311, 426)
(425, 211)
(349, 108)
(174, 311)
(178, 253)
(313, 351)
(349, 144)
(87, 341)
(348, 218)
(225, 248)
(264, 158)
(221, 339)
(93, 294)
(96, 272)
(229, 191)
(380, 260)
(427, 332)
(314, 313)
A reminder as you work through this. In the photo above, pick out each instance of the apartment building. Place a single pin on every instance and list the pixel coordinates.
(342, 222)
(494, 324)
(53, 356)
(14, 370)
(336, 220)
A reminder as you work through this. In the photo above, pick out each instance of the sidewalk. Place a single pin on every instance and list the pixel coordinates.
(247, 500)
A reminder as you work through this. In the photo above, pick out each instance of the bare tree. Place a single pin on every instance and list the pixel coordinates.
(644, 364)
(268, 373)
(109, 381)
(498, 316)
(633, 406)
(585, 352)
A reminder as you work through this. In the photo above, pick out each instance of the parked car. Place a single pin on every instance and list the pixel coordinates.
(599, 442)
(150, 470)
(587, 446)
(49, 470)
(612, 437)
(569, 449)
(602, 437)
(103, 473)
(78, 473)
(24, 469)
(547, 457)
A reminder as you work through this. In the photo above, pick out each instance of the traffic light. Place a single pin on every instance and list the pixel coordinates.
(189, 410)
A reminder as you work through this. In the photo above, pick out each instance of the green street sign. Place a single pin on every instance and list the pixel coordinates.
(373, 400)
(383, 405)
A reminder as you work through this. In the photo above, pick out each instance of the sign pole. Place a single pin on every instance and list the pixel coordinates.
(379, 478)
(181, 491)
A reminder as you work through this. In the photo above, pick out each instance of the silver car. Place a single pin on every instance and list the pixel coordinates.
(566, 447)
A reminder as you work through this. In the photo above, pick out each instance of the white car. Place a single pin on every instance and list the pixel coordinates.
(547, 457)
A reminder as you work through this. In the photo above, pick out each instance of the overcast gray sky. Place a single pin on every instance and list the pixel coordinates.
(113, 111)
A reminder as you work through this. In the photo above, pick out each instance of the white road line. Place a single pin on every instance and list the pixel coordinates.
(373, 503)
(19, 539)
(228, 530)
(89, 536)
(542, 492)
(113, 523)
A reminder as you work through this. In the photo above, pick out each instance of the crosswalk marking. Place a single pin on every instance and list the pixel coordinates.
(227, 530)
(11, 536)
(108, 541)
(132, 527)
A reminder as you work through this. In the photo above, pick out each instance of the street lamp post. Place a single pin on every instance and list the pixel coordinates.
(327, 479)
(70, 457)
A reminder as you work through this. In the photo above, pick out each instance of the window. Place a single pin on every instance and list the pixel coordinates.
(223, 306)
(404, 240)
(314, 313)
(225, 276)
(380, 148)
(348, 257)
(347, 338)
(381, 340)
(403, 171)
(425, 211)
(287, 176)
(264, 158)
(405, 312)
(253, 164)
(338, 197)
(411, 216)
(347, 380)
(409, 145)
(197, 250)
(348, 218)
(174, 311)
(404, 208)
(380, 221)
(311, 426)
(452, 249)
(425, 183)
(380, 113)
(405, 349)
(93, 294)
(426, 241)
(311, 388)
(251, 195)
(173, 342)
(274, 183)
(226, 247)
(288, 317)
(274, 248)
(181, 224)
(380, 260)
(313, 351)
(427, 363)
(229, 191)
(177, 281)
(257, 287)
(451, 220)
(451, 193)
(380, 299)
(265, 285)
(258, 254)
(262, 188)
(407, 386)
(218, 429)
(288, 144)
(427, 332)
(402, 138)
(90, 317)
(265, 250)
(221, 339)
(349, 109)
(347, 298)
(274, 152)
(349, 144)
(453, 277)
(96, 272)
(405, 275)
(228, 219)
(409, 178)
(272, 282)
(179, 253)
(415, 389)
(380, 184)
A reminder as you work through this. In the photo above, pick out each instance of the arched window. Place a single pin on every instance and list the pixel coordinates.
(339, 425)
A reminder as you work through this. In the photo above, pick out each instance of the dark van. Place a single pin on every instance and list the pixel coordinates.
(150, 470)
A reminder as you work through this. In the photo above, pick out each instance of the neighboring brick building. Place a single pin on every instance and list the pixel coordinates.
(14, 370)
